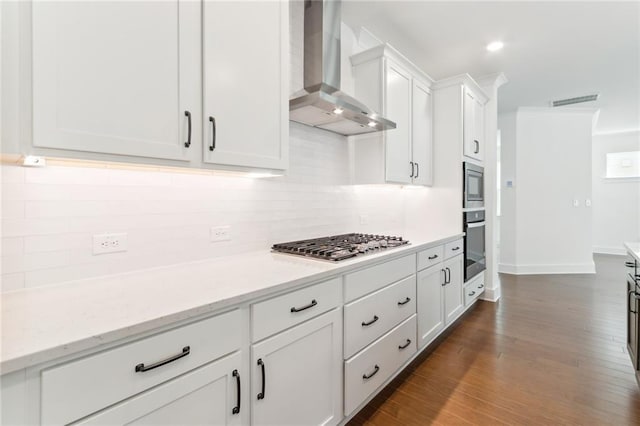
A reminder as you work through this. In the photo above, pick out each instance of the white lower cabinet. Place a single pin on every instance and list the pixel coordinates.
(209, 395)
(453, 300)
(430, 304)
(296, 375)
(366, 371)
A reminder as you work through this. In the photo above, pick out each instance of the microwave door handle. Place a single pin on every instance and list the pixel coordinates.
(475, 225)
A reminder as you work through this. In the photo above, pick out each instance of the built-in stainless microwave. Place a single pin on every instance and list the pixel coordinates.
(473, 191)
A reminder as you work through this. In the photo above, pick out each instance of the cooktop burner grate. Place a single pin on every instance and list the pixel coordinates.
(340, 247)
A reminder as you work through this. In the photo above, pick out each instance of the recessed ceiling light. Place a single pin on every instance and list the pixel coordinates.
(338, 111)
(494, 46)
(372, 124)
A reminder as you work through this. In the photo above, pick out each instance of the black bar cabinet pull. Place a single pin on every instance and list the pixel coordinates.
(417, 170)
(406, 345)
(630, 264)
(405, 301)
(187, 144)
(141, 368)
(411, 162)
(448, 275)
(366, 324)
(310, 305)
(264, 378)
(455, 248)
(477, 150)
(375, 371)
(213, 133)
(435, 256)
(236, 409)
(445, 277)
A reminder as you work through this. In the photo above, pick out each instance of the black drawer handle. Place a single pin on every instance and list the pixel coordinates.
(435, 256)
(455, 248)
(236, 409)
(264, 378)
(310, 305)
(366, 324)
(472, 293)
(213, 133)
(630, 264)
(481, 286)
(375, 371)
(405, 301)
(141, 368)
(187, 144)
(406, 345)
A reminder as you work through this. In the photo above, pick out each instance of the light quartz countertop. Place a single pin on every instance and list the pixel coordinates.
(42, 324)
(633, 249)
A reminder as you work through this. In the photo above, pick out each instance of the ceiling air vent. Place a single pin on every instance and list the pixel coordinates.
(578, 100)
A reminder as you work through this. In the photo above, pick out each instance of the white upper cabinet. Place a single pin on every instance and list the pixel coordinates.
(182, 83)
(245, 83)
(398, 140)
(473, 123)
(390, 84)
(422, 146)
(116, 77)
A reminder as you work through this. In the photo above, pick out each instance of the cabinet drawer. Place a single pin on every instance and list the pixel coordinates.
(430, 257)
(365, 281)
(282, 312)
(81, 387)
(364, 373)
(370, 317)
(453, 248)
(473, 289)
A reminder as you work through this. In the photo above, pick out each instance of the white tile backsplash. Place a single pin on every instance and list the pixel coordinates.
(50, 214)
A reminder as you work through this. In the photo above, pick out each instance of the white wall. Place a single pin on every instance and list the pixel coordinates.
(552, 168)
(616, 202)
(507, 244)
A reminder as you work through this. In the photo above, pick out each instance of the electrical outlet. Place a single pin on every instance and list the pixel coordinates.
(109, 243)
(220, 233)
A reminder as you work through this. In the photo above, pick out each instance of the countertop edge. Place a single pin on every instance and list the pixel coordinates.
(208, 308)
(633, 249)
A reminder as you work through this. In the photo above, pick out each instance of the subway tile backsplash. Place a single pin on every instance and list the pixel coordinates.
(50, 214)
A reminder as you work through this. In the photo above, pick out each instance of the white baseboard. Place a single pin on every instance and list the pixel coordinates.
(507, 268)
(609, 250)
(580, 268)
(491, 294)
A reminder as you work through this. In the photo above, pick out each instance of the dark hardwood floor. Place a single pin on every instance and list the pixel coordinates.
(552, 351)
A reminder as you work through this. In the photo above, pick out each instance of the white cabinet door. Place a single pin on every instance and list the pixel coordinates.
(246, 82)
(468, 123)
(297, 374)
(453, 300)
(205, 396)
(398, 109)
(116, 77)
(421, 138)
(430, 302)
(478, 128)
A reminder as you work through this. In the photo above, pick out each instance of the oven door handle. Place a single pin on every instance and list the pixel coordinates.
(475, 225)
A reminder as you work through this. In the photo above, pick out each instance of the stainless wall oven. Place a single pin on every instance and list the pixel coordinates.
(474, 244)
(473, 191)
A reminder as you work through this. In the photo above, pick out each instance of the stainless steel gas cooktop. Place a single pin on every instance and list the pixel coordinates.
(340, 247)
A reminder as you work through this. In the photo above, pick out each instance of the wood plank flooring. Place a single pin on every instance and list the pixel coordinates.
(552, 351)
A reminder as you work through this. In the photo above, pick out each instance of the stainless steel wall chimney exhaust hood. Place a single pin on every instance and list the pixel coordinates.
(324, 106)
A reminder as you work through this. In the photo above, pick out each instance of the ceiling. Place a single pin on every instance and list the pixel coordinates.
(552, 50)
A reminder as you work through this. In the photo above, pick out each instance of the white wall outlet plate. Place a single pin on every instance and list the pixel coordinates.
(576, 203)
(109, 243)
(220, 233)
(587, 202)
(34, 161)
